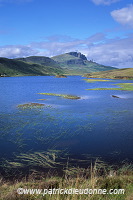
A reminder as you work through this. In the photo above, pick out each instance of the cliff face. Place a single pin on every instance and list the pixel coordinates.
(71, 59)
(78, 54)
(77, 63)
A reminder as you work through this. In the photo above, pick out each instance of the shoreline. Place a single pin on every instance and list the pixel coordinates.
(94, 177)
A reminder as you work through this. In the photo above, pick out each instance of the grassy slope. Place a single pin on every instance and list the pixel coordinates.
(126, 73)
(76, 65)
(79, 179)
(62, 64)
(13, 67)
(41, 60)
(67, 63)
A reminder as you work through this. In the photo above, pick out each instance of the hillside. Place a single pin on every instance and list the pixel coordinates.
(72, 63)
(41, 60)
(125, 73)
(77, 63)
(16, 67)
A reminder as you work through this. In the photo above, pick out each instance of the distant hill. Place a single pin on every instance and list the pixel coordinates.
(41, 60)
(17, 67)
(77, 63)
(125, 73)
(72, 63)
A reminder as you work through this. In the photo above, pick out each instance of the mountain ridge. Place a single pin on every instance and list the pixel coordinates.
(14, 67)
(75, 62)
(72, 63)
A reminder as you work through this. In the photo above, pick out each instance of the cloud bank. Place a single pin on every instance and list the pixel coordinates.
(117, 52)
(124, 16)
(15, 51)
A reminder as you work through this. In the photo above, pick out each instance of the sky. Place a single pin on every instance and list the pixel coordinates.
(102, 30)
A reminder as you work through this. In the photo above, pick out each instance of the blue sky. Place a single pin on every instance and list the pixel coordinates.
(100, 29)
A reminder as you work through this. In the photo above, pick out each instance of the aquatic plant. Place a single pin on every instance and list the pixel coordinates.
(30, 105)
(122, 86)
(95, 80)
(66, 96)
(39, 159)
(42, 99)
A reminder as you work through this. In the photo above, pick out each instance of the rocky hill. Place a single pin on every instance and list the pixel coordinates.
(72, 63)
(77, 63)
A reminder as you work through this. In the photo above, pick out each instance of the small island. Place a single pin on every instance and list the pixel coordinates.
(30, 105)
(65, 96)
(60, 76)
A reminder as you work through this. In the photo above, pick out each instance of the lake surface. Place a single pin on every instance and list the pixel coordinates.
(97, 125)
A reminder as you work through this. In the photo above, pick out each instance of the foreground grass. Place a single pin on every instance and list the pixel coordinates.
(122, 86)
(79, 179)
(66, 96)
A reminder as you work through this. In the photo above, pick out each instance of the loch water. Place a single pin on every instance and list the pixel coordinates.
(96, 125)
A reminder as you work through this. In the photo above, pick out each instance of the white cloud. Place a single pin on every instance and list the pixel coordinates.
(14, 51)
(117, 52)
(124, 16)
(104, 2)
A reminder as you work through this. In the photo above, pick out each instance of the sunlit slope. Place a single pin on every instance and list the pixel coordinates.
(125, 73)
(76, 63)
(14, 67)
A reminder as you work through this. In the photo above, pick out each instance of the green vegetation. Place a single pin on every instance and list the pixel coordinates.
(78, 178)
(74, 63)
(30, 105)
(65, 96)
(13, 67)
(36, 159)
(126, 73)
(122, 86)
(42, 99)
(61, 76)
(43, 61)
(95, 80)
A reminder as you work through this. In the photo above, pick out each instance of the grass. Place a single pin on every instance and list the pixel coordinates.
(65, 96)
(30, 66)
(80, 178)
(72, 64)
(122, 86)
(125, 73)
(42, 66)
(95, 80)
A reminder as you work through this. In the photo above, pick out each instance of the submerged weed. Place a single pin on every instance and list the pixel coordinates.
(122, 86)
